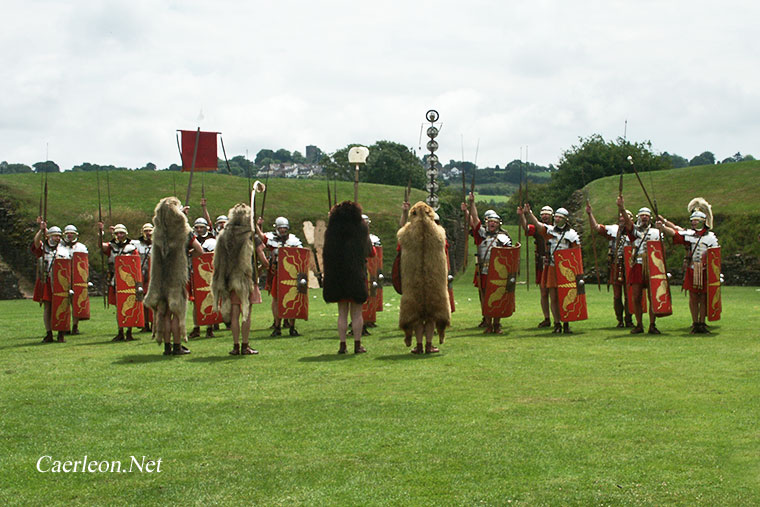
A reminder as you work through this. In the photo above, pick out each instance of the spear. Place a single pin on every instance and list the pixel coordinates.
(527, 244)
(329, 197)
(619, 235)
(591, 231)
(520, 199)
(266, 190)
(100, 245)
(192, 166)
(466, 223)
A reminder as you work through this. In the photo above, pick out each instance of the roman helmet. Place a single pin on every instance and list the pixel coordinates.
(701, 205)
(281, 222)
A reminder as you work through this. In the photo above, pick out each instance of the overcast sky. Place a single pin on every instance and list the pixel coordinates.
(110, 82)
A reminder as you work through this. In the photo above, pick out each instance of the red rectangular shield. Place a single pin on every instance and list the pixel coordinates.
(659, 287)
(570, 290)
(380, 278)
(80, 274)
(60, 316)
(499, 298)
(714, 304)
(203, 272)
(369, 308)
(627, 258)
(293, 282)
(129, 306)
(206, 158)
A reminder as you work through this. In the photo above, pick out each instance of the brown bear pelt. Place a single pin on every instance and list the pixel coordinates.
(168, 264)
(345, 255)
(424, 273)
(233, 268)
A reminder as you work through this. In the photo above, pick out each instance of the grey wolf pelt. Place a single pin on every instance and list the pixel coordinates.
(233, 268)
(345, 255)
(425, 296)
(168, 264)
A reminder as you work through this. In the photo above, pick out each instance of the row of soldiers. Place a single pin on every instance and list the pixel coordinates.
(551, 230)
(635, 287)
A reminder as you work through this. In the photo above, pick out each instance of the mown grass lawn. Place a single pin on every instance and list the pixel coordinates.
(529, 417)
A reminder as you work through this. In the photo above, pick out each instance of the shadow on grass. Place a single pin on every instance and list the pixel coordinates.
(407, 356)
(143, 358)
(325, 358)
(215, 359)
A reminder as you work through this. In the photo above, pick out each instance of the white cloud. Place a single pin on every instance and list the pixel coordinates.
(109, 82)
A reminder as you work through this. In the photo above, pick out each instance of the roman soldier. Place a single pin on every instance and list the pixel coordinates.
(616, 262)
(375, 242)
(205, 236)
(486, 237)
(172, 239)
(559, 236)
(44, 246)
(347, 246)
(144, 246)
(280, 237)
(545, 216)
(67, 247)
(638, 271)
(697, 240)
(219, 224)
(120, 244)
(232, 285)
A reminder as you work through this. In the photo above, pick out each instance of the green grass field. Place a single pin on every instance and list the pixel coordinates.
(597, 417)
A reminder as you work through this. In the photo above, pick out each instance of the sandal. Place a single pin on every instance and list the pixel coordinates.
(418, 349)
(430, 349)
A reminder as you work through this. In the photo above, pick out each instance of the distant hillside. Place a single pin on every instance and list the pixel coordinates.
(732, 189)
(73, 198)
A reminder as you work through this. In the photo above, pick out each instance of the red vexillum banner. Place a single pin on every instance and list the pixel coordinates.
(205, 160)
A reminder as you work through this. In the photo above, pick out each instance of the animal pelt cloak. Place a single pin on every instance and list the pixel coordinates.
(345, 255)
(424, 272)
(168, 264)
(233, 269)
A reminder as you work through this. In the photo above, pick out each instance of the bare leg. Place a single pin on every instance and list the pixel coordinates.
(545, 302)
(554, 300)
(429, 326)
(419, 330)
(47, 315)
(357, 322)
(343, 308)
(235, 323)
(637, 310)
(246, 325)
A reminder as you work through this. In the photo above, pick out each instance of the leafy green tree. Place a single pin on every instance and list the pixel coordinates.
(704, 158)
(596, 158)
(261, 156)
(150, 166)
(6, 168)
(282, 155)
(298, 158)
(389, 163)
(46, 167)
(676, 160)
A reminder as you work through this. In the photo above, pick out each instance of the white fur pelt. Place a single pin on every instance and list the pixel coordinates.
(233, 268)
(424, 272)
(168, 264)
